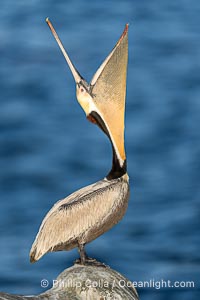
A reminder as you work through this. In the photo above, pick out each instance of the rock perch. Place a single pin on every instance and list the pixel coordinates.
(85, 283)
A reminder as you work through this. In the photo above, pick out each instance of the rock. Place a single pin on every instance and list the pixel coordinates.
(85, 283)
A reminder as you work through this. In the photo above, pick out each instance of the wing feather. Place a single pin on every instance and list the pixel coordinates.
(70, 219)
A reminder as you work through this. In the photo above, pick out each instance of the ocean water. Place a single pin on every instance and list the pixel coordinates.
(48, 149)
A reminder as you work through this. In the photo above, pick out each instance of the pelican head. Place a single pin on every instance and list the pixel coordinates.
(103, 99)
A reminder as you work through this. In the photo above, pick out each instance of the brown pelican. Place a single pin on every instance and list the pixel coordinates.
(89, 212)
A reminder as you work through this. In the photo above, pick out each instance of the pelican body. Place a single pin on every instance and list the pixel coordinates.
(89, 212)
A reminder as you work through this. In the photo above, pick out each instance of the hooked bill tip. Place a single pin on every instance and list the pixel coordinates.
(32, 256)
(126, 29)
(123, 34)
(47, 20)
(32, 259)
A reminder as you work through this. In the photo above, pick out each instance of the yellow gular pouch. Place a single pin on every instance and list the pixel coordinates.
(105, 94)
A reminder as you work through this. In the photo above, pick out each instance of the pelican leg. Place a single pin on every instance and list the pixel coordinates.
(85, 260)
(83, 256)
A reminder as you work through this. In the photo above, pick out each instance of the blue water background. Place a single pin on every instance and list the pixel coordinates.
(48, 149)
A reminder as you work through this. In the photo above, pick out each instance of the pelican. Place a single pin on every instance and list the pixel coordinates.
(89, 212)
